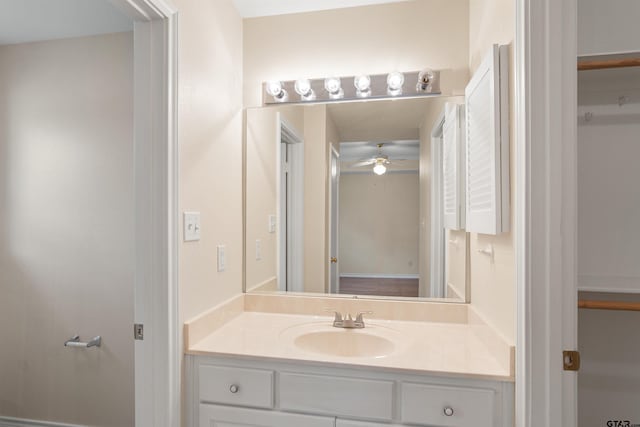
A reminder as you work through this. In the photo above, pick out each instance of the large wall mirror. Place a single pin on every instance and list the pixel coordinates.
(347, 199)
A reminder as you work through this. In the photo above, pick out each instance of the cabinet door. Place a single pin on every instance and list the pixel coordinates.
(487, 147)
(225, 416)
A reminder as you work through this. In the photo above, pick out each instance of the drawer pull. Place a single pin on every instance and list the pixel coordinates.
(234, 388)
(448, 411)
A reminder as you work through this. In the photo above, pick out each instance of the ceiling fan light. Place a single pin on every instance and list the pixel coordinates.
(379, 169)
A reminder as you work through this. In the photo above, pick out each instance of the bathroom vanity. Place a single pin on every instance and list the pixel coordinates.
(255, 368)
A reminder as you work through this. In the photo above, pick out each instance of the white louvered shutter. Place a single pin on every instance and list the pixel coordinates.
(487, 147)
(453, 167)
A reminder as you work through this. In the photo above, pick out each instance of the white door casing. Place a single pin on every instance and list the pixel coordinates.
(158, 356)
(545, 150)
(334, 214)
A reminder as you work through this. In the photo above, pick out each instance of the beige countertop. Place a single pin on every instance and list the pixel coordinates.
(440, 348)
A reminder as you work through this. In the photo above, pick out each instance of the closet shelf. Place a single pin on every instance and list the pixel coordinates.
(609, 305)
(604, 63)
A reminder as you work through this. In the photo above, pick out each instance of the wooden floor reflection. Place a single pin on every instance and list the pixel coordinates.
(379, 286)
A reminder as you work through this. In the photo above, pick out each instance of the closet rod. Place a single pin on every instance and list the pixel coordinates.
(608, 63)
(609, 305)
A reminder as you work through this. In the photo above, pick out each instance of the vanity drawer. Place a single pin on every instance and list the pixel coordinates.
(338, 396)
(447, 406)
(236, 386)
(227, 416)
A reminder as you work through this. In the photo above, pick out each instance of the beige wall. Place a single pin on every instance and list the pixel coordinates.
(493, 283)
(66, 229)
(261, 188)
(210, 140)
(262, 152)
(373, 39)
(456, 258)
(210, 151)
(379, 223)
(315, 198)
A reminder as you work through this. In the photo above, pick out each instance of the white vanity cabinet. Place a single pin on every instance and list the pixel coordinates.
(226, 391)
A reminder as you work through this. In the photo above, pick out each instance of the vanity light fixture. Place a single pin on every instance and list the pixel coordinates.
(334, 87)
(363, 85)
(395, 80)
(379, 168)
(275, 89)
(303, 88)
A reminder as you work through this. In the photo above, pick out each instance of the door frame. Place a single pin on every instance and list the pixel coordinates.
(546, 208)
(158, 356)
(290, 264)
(333, 248)
(437, 233)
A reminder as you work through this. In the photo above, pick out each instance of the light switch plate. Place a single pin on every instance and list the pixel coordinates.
(258, 249)
(272, 223)
(191, 226)
(222, 258)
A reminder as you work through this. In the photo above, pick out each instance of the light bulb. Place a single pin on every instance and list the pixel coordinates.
(334, 87)
(425, 78)
(274, 88)
(303, 88)
(395, 80)
(363, 86)
(379, 169)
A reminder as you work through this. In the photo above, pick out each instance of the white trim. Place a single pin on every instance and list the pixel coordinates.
(334, 216)
(546, 80)
(380, 276)
(294, 268)
(614, 284)
(437, 241)
(22, 422)
(158, 356)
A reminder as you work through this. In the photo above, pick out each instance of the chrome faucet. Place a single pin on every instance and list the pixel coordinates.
(348, 322)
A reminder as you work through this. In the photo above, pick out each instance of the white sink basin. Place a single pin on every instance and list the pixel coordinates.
(345, 343)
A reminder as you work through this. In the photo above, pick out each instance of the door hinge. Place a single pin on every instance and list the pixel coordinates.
(138, 331)
(571, 360)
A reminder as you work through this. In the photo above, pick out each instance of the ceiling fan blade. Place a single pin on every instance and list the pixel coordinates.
(363, 163)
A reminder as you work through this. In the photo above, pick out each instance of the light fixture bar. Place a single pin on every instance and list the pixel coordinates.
(379, 89)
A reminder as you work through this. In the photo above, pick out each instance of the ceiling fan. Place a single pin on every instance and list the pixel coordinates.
(379, 162)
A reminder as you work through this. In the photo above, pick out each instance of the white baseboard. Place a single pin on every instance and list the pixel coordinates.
(380, 276)
(21, 422)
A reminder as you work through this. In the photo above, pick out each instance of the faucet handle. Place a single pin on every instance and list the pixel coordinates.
(337, 316)
(360, 313)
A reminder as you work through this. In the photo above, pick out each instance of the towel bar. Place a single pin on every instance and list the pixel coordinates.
(75, 342)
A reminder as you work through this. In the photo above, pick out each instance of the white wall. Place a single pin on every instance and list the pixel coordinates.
(609, 380)
(608, 26)
(379, 223)
(493, 281)
(373, 39)
(66, 229)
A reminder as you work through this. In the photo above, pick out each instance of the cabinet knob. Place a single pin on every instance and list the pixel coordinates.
(234, 388)
(448, 411)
